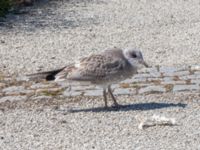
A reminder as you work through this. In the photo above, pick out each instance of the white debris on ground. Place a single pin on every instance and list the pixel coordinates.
(155, 120)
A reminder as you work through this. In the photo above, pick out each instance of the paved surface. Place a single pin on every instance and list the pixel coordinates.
(147, 81)
(42, 115)
(52, 35)
(47, 115)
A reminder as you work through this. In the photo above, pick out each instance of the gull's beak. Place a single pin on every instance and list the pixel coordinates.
(144, 63)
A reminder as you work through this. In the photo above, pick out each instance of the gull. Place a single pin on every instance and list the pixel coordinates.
(101, 69)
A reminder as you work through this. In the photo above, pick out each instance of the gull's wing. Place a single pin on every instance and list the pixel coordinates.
(92, 68)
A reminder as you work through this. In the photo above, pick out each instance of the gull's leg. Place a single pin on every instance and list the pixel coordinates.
(105, 98)
(111, 94)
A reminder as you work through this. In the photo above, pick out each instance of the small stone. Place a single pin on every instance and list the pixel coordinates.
(7, 79)
(171, 69)
(167, 69)
(82, 88)
(67, 93)
(126, 91)
(180, 73)
(154, 79)
(173, 82)
(194, 76)
(128, 81)
(169, 87)
(195, 67)
(148, 70)
(167, 79)
(39, 68)
(16, 90)
(152, 89)
(2, 85)
(40, 86)
(137, 85)
(114, 86)
(196, 81)
(178, 88)
(139, 80)
(13, 89)
(124, 85)
(27, 92)
(63, 121)
(12, 98)
(50, 91)
(2, 41)
(93, 93)
(42, 97)
(155, 74)
(142, 75)
(22, 78)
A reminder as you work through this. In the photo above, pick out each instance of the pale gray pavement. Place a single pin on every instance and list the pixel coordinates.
(43, 116)
(48, 116)
(54, 34)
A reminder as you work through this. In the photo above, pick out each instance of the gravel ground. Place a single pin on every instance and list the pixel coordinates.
(89, 126)
(52, 35)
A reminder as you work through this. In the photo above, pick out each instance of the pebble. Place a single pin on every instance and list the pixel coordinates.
(173, 82)
(2, 85)
(40, 86)
(178, 88)
(93, 92)
(139, 80)
(193, 76)
(195, 81)
(142, 75)
(22, 78)
(195, 68)
(125, 91)
(14, 90)
(72, 93)
(81, 88)
(50, 91)
(152, 89)
(181, 73)
(164, 69)
(40, 97)
(12, 98)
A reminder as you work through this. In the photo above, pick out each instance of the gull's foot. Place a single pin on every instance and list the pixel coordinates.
(116, 106)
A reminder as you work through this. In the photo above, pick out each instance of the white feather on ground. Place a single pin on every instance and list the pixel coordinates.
(155, 120)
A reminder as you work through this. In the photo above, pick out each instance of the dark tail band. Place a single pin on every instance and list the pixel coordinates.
(48, 75)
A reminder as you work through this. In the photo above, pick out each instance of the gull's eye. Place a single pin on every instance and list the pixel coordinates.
(134, 55)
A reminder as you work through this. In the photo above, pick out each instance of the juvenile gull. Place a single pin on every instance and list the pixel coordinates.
(102, 69)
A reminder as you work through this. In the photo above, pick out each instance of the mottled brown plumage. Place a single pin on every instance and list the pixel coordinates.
(103, 69)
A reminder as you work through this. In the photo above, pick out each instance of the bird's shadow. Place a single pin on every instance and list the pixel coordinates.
(131, 107)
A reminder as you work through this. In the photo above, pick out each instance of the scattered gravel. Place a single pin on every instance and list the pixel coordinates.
(53, 34)
(87, 125)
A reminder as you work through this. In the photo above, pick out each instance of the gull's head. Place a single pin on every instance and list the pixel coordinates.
(134, 57)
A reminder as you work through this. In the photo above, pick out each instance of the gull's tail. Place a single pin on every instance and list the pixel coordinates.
(48, 75)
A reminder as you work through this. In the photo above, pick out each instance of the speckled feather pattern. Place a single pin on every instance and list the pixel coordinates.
(98, 68)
